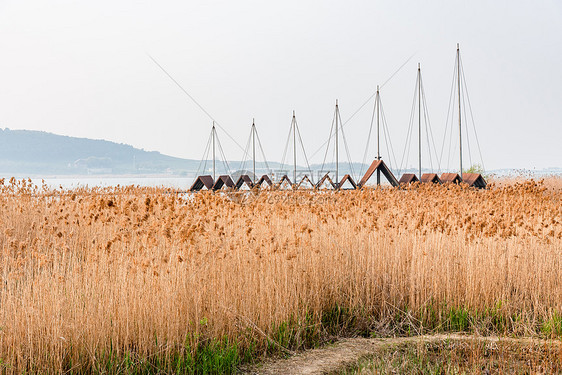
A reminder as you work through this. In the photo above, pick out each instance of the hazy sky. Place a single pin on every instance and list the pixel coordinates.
(81, 69)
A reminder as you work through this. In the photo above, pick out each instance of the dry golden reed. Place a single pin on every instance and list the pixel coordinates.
(142, 270)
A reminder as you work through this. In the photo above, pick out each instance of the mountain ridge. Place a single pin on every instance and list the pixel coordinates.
(31, 151)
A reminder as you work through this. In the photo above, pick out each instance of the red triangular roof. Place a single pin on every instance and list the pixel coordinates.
(378, 165)
(430, 177)
(408, 178)
(201, 182)
(347, 178)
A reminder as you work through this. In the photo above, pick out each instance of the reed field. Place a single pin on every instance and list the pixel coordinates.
(143, 280)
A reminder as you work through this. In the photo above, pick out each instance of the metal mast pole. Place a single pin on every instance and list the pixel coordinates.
(337, 165)
(459, 91)
(419, 121)
(254, 147)
(294, 149)
(378, 105)
(213, 131)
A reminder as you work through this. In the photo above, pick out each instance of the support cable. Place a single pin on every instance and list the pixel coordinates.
(193, 100)
(304, 152)
(205, 155)
(449, 112)
(386, 132)
(466, 129)
(430, 134)
(472, 117)
(262, 152)
(242, 165)
(328, 145)
(287, 146)
(409, 133)
(347, 150)
(224, 161)
(365, 103)
(368, 139)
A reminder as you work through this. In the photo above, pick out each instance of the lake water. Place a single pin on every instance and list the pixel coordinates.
(183, 183)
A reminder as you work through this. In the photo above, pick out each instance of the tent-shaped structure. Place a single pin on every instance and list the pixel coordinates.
(202, 182)
(408, 178)
(244, 181)
(475, 180)
(284, 183)
(378, 165)
(430, 178)
(326, 183)
(347, 179)
(223, 181)
(305, 183)
(451, 178)
(263, 183)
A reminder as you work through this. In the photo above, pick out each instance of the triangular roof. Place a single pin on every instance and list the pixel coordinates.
(326, 183)
(408, 178)
(378, 165)
(474, 180)
(222, 181)
(430, 178)
(244, 179)
(451, 178)
(283, 179)
(347, 178)
(302, 183)
(202, 182)
(264, 179)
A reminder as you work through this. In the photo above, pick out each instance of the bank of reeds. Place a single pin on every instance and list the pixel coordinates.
(138, 279)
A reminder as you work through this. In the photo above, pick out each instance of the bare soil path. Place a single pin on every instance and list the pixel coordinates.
(347, 352)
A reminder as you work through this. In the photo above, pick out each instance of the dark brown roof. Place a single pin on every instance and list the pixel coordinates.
(408, 178)
(244, 179)
(222, 181)
(285, 178)
(265, 178)
(430, 177)
(330, 184)
(474, 179)
(347, 178)
(202, 182)
(305, 179)
(378, 165)
(453, 178)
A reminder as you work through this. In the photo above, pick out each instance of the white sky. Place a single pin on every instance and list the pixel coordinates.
(81, 69)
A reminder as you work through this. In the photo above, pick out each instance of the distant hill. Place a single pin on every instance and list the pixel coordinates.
(24, 152)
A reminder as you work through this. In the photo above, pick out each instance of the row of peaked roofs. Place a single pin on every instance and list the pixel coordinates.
(245, 182)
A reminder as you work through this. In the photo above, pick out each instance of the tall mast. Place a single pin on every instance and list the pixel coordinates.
(294, 149)
(459, 92)
(213, 131)
(337, 165)
(419, 121)
(254, 147)
(378, 105)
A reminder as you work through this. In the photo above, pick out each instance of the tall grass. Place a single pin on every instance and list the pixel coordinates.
(97, 280)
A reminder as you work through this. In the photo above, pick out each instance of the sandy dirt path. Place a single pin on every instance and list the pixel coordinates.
(347, 352)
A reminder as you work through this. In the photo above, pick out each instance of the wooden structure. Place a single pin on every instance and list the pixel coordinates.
(202, 182)
(305, 183)
(408, 178)
(244, 180)
(326, 183)
(223, 181)
(451, 178)
(474, 180)
(284, 183)
(427, 178)
(380, 167)
(264, 183)
(347, 178)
